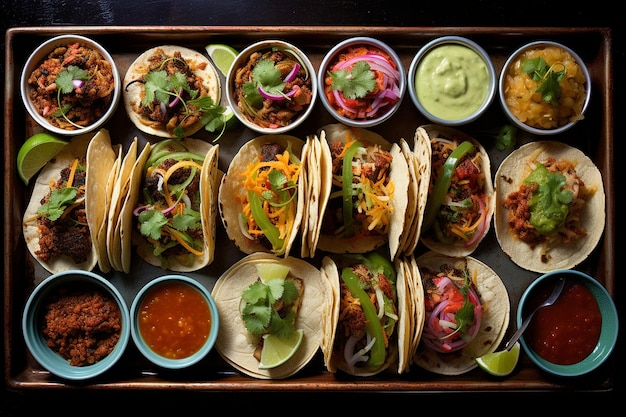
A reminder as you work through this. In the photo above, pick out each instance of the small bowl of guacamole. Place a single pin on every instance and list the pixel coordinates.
(452, 81)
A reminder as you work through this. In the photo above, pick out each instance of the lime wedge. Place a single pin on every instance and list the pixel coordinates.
(36, 152)
(269, 271)
(500, 363)
(277, 350)
(222, 56)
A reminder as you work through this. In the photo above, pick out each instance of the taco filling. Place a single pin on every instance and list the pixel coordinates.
(457, 210)
(270, 203)
(547, 206)
(363, 208)
(452, 306)
(368, 312)
(169, 214)
(62, 218)
(172, 92)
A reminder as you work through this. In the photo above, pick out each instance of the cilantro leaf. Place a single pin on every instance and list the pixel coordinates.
(355, 83)
(152, 221)
(64, 78)
(258, 312)
(549, 80)
(58, 201)
(190, 219)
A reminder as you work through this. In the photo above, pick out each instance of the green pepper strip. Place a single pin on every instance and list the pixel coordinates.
(442, 183)
(346, 181)
(271, 232)
(377, 355)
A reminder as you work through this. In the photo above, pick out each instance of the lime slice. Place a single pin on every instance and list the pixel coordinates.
(500, 363)
(36, 152)
(269, 271)
(222, 56)
(277, 350)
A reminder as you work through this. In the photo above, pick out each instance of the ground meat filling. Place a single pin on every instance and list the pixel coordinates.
(69, 235)
(82, 325)
(85, 104)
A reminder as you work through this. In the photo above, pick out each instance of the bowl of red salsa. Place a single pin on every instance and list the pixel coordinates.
(362, 81)
(174, 321)
(577, 333)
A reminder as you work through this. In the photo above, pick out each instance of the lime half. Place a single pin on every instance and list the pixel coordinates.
(36, 152)
(277, 350)
(222, 56)
(500, 363)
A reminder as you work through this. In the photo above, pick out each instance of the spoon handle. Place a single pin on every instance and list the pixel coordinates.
(519, 332)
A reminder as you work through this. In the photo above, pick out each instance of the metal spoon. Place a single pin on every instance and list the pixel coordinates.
(549, 301)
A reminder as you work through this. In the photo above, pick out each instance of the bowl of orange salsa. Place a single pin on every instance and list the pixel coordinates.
(577, 333)
(174, 321)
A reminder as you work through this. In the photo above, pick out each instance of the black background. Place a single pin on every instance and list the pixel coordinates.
(556, 13)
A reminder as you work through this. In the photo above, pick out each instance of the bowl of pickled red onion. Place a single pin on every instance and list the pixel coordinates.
(361, 81)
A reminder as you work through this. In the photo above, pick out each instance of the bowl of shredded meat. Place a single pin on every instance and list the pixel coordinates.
(272, 87)
(70, 85)
(76, 324)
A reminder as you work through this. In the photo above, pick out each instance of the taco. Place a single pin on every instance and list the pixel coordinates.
(240, 337)
(366, 329)
(550, 210)
(466, 313)
(175, 215)
(370, 213)
(461, 196)
(262, 195)
(171, 91)
(55, 223)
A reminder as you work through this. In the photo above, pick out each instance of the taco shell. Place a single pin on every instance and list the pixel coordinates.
(541, 258)
(494, 323)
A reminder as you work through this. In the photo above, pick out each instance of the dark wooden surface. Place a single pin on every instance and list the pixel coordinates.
(17, 13)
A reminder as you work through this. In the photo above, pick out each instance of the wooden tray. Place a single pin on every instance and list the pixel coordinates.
(594, 136)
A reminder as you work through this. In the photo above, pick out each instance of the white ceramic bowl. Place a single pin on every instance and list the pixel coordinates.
(36, 341)
(39, 55)
(609, 328)
(502, 87)
(457, 86)
(136, 315)
(242, 59)
(399, 86)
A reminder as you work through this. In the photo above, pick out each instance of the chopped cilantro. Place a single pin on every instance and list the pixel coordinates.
(355, 83)
(264, 75)
(549, 80)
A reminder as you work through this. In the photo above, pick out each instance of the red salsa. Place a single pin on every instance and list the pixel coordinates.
(174, 320)
(567, 331)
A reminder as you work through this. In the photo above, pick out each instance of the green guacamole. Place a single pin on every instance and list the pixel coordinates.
(549, 205)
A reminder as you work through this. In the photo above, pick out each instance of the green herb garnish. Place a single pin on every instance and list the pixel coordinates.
(168, 88)
(264, 75)
(259, 302)
(65, 85)
(355, 83)
(549, 80)
(59, 200)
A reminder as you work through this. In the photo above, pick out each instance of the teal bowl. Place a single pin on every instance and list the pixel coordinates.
(35, 339)
(608, 333)
(143, 345)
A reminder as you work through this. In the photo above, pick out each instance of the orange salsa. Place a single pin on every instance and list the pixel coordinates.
(174, 320)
